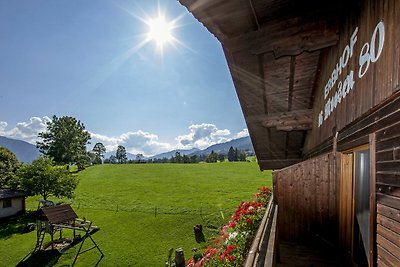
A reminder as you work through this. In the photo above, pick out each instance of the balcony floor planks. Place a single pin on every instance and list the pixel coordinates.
(310, 252)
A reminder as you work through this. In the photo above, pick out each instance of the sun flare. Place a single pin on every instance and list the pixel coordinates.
(160, 31)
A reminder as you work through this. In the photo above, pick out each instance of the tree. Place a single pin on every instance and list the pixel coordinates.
(99, 149)
(231, 154)
(93, 159)
(139, 157)
(186, 159)
(65, 140)
(45, 179)
(221, 157)
(212, 157)
(194, 159)
(111, 160)
(8, 167)
(121, 155)
(236, 154)
(242, 156)
(178, 157)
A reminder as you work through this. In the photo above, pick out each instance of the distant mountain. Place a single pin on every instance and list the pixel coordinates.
(24, 151)
(172, 153)
(243, 143)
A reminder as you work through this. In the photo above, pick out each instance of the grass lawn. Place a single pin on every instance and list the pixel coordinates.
(143, 210)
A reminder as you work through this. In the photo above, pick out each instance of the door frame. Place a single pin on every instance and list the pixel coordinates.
(346, 200)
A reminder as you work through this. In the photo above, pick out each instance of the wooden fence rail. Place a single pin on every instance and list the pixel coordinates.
(264, 249)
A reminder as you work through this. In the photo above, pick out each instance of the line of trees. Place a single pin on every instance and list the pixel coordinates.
(233, 154)
(236, 155)
(179, 158)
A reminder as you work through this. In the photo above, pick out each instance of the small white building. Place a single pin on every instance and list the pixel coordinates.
(12, 202)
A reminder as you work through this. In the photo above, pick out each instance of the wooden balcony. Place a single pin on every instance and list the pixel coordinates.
(268, 250)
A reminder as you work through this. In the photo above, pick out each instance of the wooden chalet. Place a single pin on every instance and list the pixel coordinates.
(318, 83)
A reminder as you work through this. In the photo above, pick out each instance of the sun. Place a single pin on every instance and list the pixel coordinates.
(160, 31)
(157, 29)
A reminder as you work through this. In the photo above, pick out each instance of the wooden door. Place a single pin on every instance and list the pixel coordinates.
(346, 203)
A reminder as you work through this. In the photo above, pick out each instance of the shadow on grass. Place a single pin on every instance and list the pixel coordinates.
(41, 259)
(48, 258)
(16, 225)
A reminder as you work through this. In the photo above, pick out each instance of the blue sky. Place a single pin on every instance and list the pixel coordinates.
(86, 59)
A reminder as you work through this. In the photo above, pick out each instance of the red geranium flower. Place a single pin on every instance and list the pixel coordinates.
(231, 258)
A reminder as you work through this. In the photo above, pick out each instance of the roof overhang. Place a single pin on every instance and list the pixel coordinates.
(274, 50)
(11, 193)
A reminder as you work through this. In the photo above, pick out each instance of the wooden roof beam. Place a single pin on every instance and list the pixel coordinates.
(290, 121)
(286, 38)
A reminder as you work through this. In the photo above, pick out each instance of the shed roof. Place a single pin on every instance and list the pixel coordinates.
(59, 214)
(11, 193)
(274, 49)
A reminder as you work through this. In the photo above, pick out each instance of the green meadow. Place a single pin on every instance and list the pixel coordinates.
(143, 210)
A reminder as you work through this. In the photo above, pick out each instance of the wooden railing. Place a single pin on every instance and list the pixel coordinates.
(264, 249)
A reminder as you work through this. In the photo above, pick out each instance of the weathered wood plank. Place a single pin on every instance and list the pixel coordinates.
(286, 38)
(388, 132)
(390, 190)
(388, 223)
(389, 246)
(388, 234)
(385, 258)
(389, 212)
(388, 177)
(388, 143)
(385, 155)
(389, 166)
(387, 200)
(293, 120)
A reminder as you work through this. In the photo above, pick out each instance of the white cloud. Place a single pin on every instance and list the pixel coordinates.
(202, 136)
(26, 131)
(3, 126)
(111, 143)
(134, 142)
(242, 133)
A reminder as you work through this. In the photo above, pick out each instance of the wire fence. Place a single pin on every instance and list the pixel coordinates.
(156, 210)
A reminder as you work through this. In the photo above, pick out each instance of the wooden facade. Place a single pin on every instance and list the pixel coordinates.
(380, 80)
(388, 195)
(318, 83)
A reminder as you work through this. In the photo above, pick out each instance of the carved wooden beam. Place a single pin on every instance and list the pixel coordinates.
(286, 38)
(289, 121)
